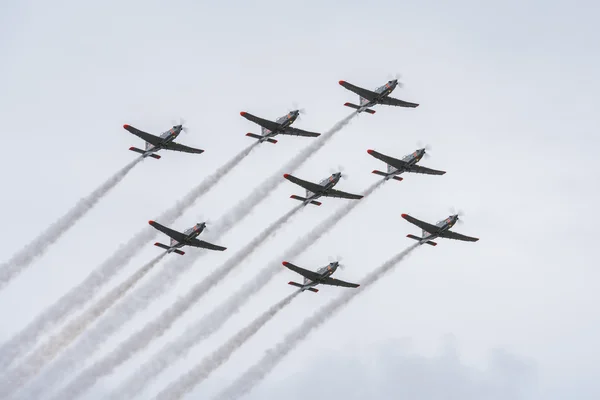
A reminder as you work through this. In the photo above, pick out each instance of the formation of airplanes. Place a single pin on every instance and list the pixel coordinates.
(325, 188)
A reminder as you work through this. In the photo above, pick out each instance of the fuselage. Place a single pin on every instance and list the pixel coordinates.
(190, 233)
(410, 159)
(167, 137)
(283, 122)
(442, 225)
(382, 91)
(324, 272)
(326, 184)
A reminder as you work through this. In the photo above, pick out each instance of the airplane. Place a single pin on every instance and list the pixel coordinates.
(440, 229)
(282, 126)
(321, 276)
(187, 238)
(369, 98)
(323, 188)
(408, 164)
(164, 141)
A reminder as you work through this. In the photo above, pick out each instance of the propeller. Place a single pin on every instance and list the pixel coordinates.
(339, 169)
(397, 76)
(182, 123)
(338, 259)
(460, 213)
(302, 111)
(207, 221)
(427, 148)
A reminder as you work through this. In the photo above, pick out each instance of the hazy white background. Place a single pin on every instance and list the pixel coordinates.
(509, 98)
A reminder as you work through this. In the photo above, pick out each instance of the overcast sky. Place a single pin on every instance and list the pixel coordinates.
(508, 99)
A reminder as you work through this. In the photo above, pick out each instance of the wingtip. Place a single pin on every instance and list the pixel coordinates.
(341, 82)
(370, 151)
(286, 176)
(125, 126)
(404, 215)
(242, 113)
(151, 222)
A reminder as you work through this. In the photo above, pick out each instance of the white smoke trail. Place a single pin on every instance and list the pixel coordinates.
(200, 372)
(82, 293)
(167, 277)
(19, 375)
(213, 321)
(23, 259)
(256, 373)
(155, 329)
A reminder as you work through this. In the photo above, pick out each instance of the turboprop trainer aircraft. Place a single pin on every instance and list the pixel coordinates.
(440, 229)
(323, 188)
(408, 164)
(381, 95)
(282, 126)
(187, 238)
(321, 276)
(164, 141)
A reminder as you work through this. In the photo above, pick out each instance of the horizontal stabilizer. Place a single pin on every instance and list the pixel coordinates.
(398, 178)
(162, 246)
(156, 156)
(179, 252)
(295, 284)
(413, 237)
(367, 110)
(255, 136)
(429, 242)
(316, 203)
(297, 197)
(312, 289)
(352, 106)
(376, 172)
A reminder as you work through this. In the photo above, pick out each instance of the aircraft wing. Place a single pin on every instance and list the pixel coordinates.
(342, 195)
(313, 187)
(394, 162)
(457, 236)
(206, 245)
(423, 225)
(424, 170)
(265, 123)
(367, 94)
(179, 147)
(152, 139)
(298, 132)
(168, 231)
(336, 282)
(313, 276)
(390, 101)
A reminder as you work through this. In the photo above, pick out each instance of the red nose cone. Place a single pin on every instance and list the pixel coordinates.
(286, 175)
(243, 113)
(125, 126)
(370, 151)
(342, 82)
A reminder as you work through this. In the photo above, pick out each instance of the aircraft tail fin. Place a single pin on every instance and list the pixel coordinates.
(367, 110)
(258, 137)
(316, 203)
